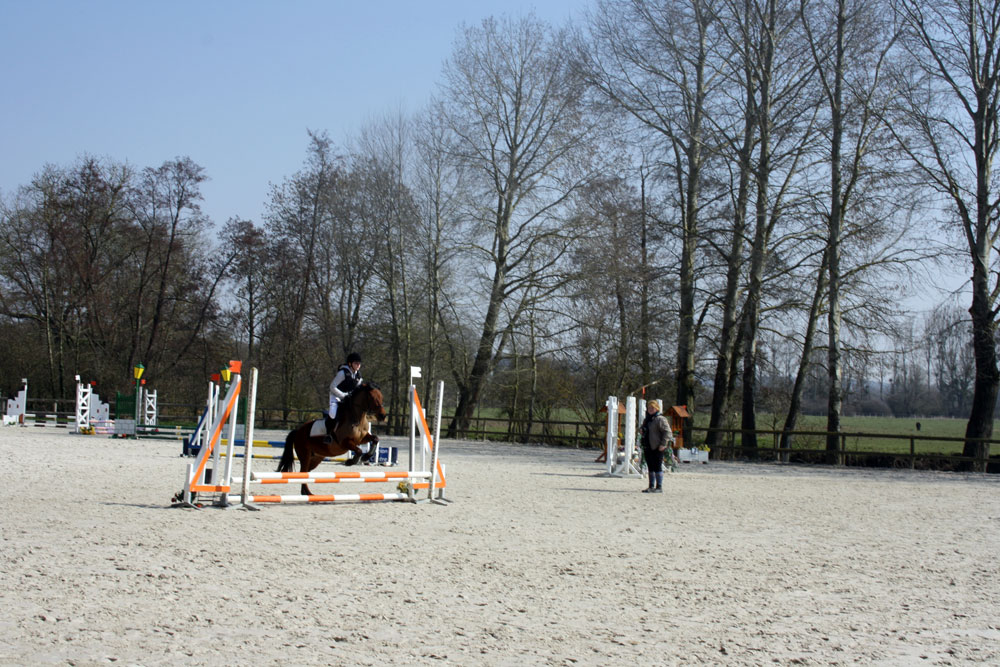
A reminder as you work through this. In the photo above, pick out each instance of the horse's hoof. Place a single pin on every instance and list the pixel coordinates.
(351, 461)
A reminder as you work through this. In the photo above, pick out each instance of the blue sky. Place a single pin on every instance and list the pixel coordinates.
(234, 85)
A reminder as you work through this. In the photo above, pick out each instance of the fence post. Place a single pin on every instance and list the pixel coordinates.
(913, 454)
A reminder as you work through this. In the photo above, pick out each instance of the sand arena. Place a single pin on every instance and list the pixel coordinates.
(539, 561)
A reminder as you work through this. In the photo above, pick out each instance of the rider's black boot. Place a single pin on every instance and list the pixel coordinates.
(328, 440)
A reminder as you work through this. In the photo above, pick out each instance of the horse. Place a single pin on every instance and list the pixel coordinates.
(351, 430)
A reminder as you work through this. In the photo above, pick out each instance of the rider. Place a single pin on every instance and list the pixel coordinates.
(348, 379)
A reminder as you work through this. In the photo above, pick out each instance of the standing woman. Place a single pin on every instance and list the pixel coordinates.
(657, 436)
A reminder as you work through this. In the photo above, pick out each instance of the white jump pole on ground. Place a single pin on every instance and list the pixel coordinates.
(230, 446)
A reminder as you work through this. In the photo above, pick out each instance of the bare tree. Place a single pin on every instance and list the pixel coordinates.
(111, 266)
(383, 160)
(167, 211)
(513, 104)
(948, 334)
(650, 59)
(766, 35)
(305, 264)
(440, 183)
(248, 244)
(849, 42)
(948, 126)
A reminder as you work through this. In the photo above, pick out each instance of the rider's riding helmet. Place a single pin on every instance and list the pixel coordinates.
(352, 357)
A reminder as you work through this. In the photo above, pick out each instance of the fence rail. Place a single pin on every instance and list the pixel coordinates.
(733, 448)
(914, 453)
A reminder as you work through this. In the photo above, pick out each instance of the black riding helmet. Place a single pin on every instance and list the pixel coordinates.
(352, 357)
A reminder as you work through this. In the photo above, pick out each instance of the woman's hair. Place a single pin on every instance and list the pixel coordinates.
(654, 404)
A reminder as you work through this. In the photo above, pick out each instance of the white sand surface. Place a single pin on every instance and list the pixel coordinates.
(538, 561)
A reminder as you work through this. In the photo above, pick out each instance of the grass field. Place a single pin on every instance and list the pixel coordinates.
(888, 435)
(936, 435)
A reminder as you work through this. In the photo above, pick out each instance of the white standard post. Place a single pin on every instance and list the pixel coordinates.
(640, 408)
(149, 402)
(413, 429)
(230, 446)
(627, 467)
(82, 406)
(629, 435)
(16, 406)
(248, 441)
(218, 412)
(437, 442)
(611, 439)
(414, 374)
(213, 393)
(437, 419)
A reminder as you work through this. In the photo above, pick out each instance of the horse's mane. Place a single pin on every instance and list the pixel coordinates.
(356, 410)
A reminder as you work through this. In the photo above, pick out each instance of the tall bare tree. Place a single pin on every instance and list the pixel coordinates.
(948, 126)
(849, 42)
(769, 36)
(440, 183)
(304, 259)
(650, 58)
(513, 104)
(384, 160)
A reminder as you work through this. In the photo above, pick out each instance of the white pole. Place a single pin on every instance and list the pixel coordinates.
(437, 442)
(640, 409)
(440, 403)
(209, 414)
(81, 416)
(624, 468)
(413, 427)
(248, 440)
(611, 438)
(415, 373)
(231, 446)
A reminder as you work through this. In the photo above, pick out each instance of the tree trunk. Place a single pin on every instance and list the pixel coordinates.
(984, 392)
(834, 370)
(795, 403)
(469, 393)
(730, 303)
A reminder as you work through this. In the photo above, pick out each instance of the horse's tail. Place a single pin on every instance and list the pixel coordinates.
(288, 455)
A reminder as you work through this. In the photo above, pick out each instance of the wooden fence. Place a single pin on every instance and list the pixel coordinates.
(916, 451)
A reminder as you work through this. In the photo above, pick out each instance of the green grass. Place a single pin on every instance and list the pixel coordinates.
(932, 437)
(862, 433)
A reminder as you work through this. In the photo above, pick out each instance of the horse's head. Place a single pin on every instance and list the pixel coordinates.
(371, 401)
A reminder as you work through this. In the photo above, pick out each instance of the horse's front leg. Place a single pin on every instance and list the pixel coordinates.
(373, 451)
(308, 465)
(354, 449)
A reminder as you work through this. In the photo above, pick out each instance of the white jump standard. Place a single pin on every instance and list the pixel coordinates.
(625, 463)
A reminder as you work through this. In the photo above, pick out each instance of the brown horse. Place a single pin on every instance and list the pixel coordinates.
(356, 412)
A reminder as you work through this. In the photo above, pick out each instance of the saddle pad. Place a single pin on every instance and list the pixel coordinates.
(318, 428)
